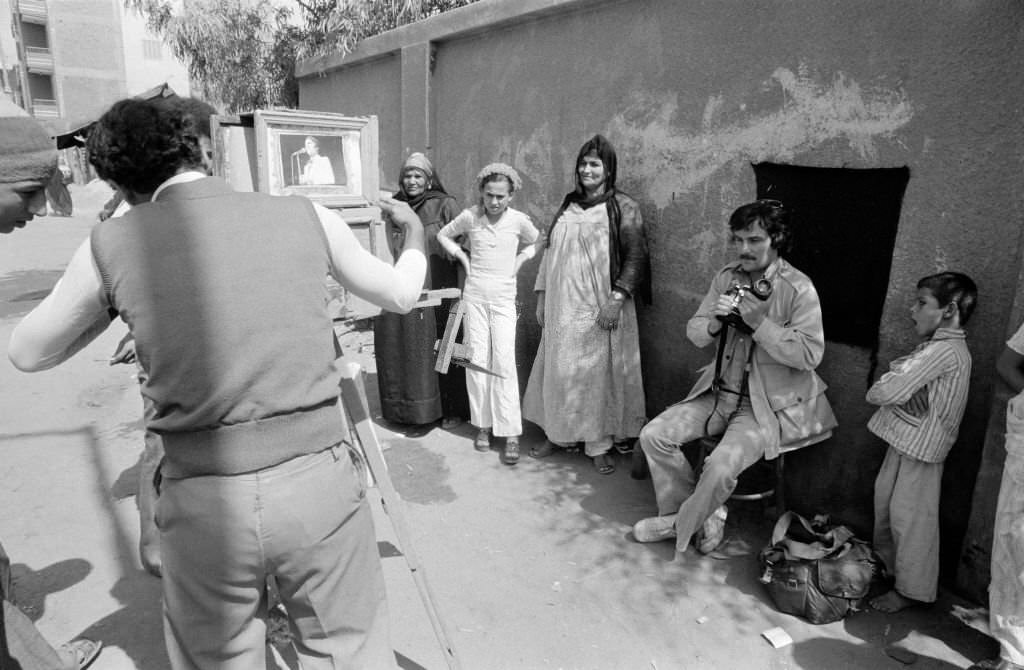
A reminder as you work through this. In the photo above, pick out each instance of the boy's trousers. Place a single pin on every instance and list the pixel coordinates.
(1006, 590)
(493, 401)
(906, 533)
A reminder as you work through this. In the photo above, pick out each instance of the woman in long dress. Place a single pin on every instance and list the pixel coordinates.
(411, 392)
(586, 385)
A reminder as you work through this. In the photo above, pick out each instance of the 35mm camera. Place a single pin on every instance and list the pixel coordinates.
(761, 289)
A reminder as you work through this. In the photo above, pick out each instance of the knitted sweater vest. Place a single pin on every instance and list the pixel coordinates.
(224, 294)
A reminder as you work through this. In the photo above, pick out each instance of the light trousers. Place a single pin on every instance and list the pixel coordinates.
(21, 644)
(26, 647)
(677, 488)
(307, 523)
(906, 534)
(1006, 590)
(491, 334)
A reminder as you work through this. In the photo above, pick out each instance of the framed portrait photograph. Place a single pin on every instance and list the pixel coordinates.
(329, 158)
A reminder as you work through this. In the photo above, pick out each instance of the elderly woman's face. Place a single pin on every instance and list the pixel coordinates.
(311, 147)
(414, 182)
(591, 173)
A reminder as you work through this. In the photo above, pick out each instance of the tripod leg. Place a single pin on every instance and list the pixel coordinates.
(353, 395)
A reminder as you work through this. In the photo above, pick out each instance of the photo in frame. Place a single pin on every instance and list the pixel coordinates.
(329, 158)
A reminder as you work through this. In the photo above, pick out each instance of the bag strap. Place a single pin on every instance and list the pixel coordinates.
(826, 543)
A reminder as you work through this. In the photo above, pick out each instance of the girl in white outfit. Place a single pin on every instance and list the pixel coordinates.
(500, 239)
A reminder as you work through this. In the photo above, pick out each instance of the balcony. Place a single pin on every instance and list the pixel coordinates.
(44, 108)
(39, 60)
(33, 11)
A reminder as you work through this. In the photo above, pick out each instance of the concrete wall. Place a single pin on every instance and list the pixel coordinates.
(692, 92)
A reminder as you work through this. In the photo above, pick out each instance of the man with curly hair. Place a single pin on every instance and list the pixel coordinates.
(153, 449)
(224, 295)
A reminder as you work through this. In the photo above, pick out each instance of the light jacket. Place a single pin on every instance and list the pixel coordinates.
(786, 395)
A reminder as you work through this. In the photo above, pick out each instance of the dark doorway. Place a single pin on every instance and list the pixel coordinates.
(845, 223)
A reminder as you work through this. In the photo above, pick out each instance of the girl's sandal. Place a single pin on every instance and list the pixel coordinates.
(482, 441)
(510, 456)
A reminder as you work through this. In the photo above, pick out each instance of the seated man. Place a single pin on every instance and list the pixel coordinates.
(761, 394)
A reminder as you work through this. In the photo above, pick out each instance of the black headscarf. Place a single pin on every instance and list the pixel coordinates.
(603, 149)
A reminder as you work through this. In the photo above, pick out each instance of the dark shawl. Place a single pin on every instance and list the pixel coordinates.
(434, 207)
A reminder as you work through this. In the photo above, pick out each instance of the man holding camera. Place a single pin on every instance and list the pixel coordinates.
(760, 394)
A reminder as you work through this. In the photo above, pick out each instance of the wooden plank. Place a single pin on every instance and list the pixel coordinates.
(446, 345)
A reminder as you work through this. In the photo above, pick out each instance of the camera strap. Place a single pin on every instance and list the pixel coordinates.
(716, 386)
(720, 356)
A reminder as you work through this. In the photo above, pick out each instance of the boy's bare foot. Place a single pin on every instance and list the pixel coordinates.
(892, 602)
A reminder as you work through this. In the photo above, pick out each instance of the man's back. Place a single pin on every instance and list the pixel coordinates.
(224, 294)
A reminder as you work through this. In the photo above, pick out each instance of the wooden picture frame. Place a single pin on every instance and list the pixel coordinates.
(329, 158)
(253, 152)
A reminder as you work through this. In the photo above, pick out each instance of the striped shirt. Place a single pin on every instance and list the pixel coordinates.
(923, 396)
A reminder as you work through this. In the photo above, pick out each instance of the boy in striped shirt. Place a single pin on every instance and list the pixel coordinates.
(921, 400)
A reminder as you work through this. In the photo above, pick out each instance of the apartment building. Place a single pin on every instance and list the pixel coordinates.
(65, 61)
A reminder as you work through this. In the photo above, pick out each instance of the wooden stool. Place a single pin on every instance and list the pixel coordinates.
(754, 483)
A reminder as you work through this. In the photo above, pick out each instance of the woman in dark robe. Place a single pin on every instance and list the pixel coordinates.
(410, 391)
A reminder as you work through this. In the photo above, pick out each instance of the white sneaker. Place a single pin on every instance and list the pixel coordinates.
(655, 528)
(712, 531)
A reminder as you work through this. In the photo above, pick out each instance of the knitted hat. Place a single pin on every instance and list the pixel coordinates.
(504, 170)
(27, 152)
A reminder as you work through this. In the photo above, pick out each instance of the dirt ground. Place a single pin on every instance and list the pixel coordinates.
(531, 566)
